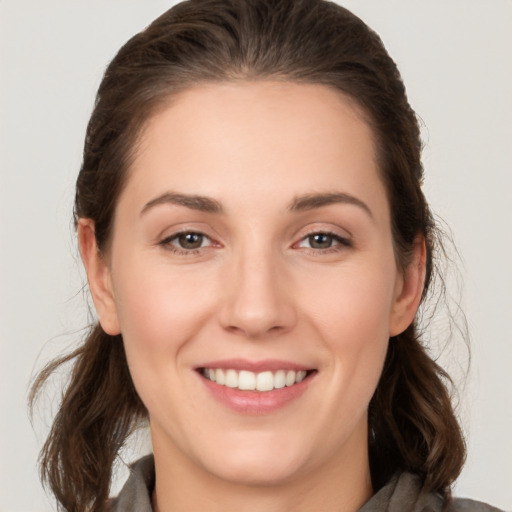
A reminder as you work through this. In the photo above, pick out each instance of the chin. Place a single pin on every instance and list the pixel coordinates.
(257, 464)
(265, 471)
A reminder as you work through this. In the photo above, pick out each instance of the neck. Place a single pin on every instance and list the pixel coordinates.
(343, 484)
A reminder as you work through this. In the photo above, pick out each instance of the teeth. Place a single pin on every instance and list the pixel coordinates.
(265, 381)
(250, 381)
(231, 379)
(219, 377)
(301, 375)
(246, 380)
(280, 379)
(290, 378)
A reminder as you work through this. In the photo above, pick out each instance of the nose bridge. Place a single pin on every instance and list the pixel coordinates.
(257, 301)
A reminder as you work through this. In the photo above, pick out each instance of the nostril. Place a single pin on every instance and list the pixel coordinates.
(255, 331)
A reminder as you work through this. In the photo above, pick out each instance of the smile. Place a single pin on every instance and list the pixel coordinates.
(245, 380)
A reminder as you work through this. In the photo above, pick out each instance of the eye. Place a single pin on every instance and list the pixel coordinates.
(322, 241)
(190, 240)
(186, 241)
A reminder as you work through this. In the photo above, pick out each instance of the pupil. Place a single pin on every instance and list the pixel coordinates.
(320, 241)
(191, 240)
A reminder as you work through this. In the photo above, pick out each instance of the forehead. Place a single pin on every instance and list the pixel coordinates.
(238, 139)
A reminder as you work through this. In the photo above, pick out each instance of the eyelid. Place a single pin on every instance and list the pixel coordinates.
(336, 236)
(325, 228)
(167, 231)
(342, 242)
(176, 234)
(166, 241)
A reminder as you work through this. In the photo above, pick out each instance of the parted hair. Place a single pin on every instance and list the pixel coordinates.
(412, 425)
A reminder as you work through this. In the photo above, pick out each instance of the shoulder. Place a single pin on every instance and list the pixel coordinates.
(466, 505)
(403, 493)
(135, 496)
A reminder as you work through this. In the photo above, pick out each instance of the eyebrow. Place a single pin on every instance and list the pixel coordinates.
(194, 202)
(300, 203)
(312, 201)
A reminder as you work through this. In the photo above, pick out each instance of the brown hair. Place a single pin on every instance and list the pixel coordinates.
(412, 423)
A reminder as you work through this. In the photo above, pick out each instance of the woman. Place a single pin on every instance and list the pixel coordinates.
(257, 244)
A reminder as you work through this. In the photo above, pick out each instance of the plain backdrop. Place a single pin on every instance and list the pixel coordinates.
(455, 58)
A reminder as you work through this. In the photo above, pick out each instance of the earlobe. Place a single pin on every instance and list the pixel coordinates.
(409, 290)
(98, 276)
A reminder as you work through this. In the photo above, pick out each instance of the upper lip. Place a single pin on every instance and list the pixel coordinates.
(254, 366)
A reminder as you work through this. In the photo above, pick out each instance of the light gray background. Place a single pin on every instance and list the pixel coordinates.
(455, 57)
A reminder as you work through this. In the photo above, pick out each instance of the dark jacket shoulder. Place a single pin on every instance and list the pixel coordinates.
(465, 505)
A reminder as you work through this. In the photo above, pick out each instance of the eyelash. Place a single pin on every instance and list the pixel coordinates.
(340, 243)
(167, 243)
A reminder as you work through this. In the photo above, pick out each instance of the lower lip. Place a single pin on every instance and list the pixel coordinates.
(256, 402)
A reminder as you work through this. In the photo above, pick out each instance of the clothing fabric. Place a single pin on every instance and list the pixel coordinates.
(401, 494)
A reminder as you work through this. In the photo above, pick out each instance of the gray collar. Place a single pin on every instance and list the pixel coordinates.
(401, 494)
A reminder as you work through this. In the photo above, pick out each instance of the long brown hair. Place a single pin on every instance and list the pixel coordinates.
(412, 423)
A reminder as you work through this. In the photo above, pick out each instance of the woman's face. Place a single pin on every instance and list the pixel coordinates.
(252, 246)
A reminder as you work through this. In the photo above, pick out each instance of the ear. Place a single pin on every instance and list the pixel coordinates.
(409, 289)
(98, 276)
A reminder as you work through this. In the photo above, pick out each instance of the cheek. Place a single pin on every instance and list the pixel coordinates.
(358, 337)
(351, 310)
(159, 311)
(355, 301)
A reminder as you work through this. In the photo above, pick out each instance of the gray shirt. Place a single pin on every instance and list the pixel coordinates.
(401, 494)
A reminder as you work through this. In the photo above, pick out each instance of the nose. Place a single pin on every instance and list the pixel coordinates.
(257, 298)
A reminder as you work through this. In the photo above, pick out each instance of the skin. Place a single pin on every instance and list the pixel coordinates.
(259, 287)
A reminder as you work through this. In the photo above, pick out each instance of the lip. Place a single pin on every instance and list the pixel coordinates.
(255, 402)
(254, 366)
